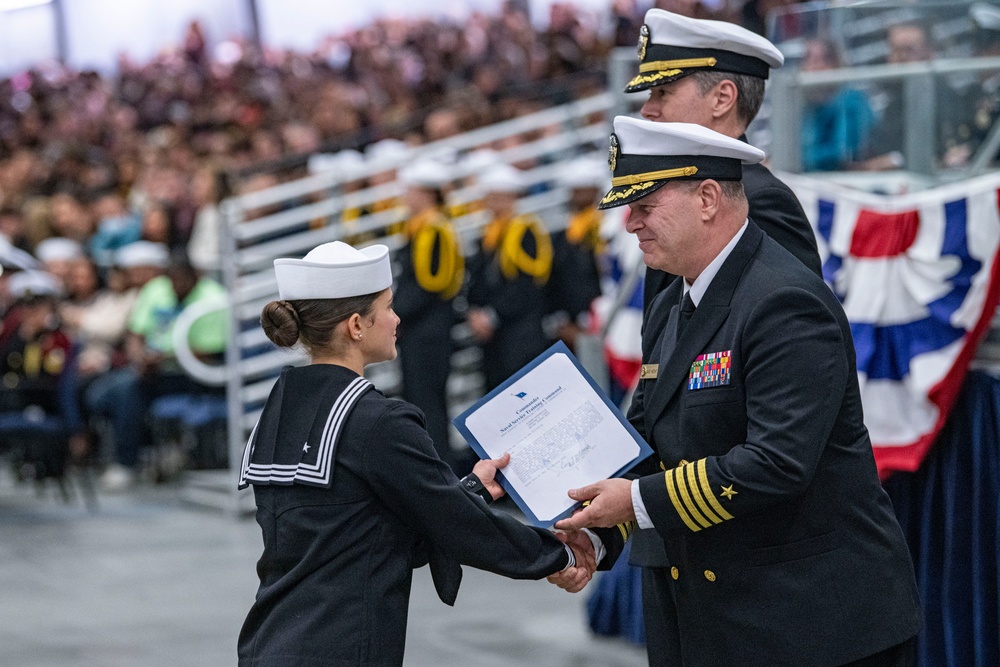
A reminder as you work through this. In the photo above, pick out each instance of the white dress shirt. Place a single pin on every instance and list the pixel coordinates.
(697, 291)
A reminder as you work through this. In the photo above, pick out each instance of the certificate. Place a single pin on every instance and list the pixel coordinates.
(561, 430)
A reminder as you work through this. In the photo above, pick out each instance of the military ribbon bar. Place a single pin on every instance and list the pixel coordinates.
(710, 370)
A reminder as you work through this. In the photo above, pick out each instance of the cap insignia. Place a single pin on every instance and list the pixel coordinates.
(613, 153)
(643, 41)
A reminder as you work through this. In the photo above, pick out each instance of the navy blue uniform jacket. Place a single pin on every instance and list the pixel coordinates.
(337, 563)
(781, 545)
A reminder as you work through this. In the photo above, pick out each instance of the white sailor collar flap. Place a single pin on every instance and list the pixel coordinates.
(279, 456)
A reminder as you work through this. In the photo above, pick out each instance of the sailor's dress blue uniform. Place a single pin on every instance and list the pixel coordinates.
(351, 496)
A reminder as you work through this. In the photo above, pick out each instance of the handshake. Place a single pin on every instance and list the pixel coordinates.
(607, 503)
(573, 579)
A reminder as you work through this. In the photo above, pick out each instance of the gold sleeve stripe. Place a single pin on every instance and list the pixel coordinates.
(696, 493)
(707, 488)
(686, 497)
(623, 531)
(681, 512)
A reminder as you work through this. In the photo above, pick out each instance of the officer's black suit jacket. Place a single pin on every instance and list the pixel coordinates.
(776, 210)
(786, 548)
(337, 562)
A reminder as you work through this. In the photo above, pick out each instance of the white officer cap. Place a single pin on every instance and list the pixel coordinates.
(672, 46)
(425, 173)
(388, 152)
(58, 249)
(584, 172)
(502, 178)
(645, 155)
(143, 253)
(32, 284)
(334, 271)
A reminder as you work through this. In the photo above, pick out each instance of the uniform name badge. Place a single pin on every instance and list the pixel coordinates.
(710, 370)
(649, 371)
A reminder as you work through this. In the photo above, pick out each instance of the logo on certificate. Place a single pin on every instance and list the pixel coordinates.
(520, 395)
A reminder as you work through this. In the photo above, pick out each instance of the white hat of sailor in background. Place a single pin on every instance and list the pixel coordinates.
(584, 173)
(143, 253)
(388, 153)
(334, 270)
(502, 178)
(58, 249)
(672, 46)
(645, 155)
(30, 285)
(427, 173)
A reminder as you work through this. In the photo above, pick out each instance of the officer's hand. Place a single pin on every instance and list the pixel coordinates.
(486, 471)
(610, 505)
(574, 579)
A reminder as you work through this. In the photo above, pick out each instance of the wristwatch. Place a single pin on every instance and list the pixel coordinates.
(472, 484)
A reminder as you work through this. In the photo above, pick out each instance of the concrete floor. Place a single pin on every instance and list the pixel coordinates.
(146, 580)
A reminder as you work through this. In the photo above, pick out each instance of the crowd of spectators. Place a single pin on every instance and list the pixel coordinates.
(101, 162)
(109, 185)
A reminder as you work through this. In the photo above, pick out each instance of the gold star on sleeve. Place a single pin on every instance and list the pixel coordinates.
(728, 492)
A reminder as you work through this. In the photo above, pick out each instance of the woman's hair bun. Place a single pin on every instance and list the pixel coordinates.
(280, 322)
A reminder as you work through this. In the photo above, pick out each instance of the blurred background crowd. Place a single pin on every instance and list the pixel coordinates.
(110, 182)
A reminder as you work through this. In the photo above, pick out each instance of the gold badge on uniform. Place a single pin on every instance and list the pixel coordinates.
(643, 41)
(649, 371)
(613, 153)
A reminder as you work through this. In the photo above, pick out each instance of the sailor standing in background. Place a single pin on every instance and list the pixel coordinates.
(576, 276)
(508, 280)
(431, 272)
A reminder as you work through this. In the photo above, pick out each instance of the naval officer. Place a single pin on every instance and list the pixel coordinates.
(781, 548)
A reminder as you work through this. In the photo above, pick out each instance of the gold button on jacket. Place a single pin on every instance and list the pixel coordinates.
(674, 572)
(710, 575)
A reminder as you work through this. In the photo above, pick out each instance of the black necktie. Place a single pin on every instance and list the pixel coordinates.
(687, 308)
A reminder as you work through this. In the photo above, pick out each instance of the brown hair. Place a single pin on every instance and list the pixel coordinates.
(311, 321)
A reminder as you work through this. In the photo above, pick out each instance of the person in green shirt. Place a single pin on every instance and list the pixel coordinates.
(153, 370)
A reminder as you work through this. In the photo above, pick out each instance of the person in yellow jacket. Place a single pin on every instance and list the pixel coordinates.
(431, 273)
(509, 280)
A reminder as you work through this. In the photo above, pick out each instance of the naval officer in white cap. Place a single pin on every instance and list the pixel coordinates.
(712, 73)
(350, 493)
(781, 548)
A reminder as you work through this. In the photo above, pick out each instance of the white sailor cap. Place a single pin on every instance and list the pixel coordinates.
(334, 271)
(584, 172)
(426, 173)
(645, 155)
(672, 46)
(345, 163)
(479, 160)
(388, 152)
(502, 178)
(58, 249)
(143, 253)
(33, 284)
(985, 15)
